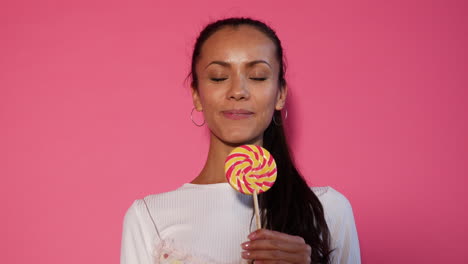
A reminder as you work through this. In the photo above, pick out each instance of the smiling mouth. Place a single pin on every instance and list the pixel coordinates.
(237, 114)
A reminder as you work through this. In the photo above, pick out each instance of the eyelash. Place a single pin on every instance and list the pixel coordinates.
(258, 79)
(218, 79)
(223, 79)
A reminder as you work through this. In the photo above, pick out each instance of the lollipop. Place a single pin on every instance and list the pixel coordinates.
(251, 170)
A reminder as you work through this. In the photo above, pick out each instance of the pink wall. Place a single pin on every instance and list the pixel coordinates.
(94, 113)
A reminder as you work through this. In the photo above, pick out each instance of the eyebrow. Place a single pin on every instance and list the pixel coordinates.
(228, 65)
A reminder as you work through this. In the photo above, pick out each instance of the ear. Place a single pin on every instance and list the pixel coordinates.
(281, 98)
(196, 99)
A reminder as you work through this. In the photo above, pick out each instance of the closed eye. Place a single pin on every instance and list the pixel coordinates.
(258, 79)
(218, 79)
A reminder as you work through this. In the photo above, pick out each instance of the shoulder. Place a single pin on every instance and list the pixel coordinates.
(138, 235)
(340, 220)
(331, 198)
(336, 206)
(183, 193)
(137, 215)
(142, 211)
(139, 210)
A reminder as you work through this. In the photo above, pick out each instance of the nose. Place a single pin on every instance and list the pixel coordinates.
(238, 90)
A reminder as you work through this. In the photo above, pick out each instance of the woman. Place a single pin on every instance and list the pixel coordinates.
(238, 83)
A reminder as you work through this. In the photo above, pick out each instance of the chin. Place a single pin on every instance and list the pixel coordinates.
(238, 139)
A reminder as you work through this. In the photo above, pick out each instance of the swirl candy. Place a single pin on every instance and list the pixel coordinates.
(250, 169)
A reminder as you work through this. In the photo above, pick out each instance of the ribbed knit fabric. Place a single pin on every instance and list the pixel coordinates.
(207, 224)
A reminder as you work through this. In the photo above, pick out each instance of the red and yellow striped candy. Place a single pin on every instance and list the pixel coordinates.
(250, 168)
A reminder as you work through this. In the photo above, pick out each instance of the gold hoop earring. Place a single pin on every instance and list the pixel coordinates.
(191, 117)
(285, 117)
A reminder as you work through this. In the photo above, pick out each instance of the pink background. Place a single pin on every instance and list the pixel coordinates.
(94, 113)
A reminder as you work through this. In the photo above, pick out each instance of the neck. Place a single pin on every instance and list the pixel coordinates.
(213, 171)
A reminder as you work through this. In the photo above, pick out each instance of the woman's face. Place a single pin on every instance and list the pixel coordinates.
(238, 88)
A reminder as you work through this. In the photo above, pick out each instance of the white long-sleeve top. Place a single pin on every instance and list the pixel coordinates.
(207, 223)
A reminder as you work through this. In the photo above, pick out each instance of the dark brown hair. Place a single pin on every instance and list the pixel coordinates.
(289, 206)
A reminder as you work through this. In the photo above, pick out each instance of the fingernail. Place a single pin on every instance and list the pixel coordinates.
(252, 236)
(245, 245)
(245, 254)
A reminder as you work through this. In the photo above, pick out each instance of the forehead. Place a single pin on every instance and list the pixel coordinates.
(242, 43)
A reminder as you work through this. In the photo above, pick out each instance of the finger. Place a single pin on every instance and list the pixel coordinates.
(274, 235)
(274, 255)
(292, 247)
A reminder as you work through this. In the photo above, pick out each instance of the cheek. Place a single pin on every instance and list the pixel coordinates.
(267, 99)
(208, 97)
(211, 101)
(266, 108)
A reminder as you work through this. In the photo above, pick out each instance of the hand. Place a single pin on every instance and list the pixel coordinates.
(267, 246)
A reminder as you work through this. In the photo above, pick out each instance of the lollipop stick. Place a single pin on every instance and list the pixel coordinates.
(257, 214)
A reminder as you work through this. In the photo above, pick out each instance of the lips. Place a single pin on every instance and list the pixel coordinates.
(237, 114)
